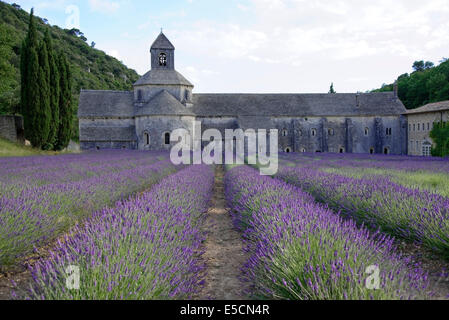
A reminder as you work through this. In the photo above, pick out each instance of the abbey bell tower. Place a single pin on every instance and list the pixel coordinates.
(162, 53)
(163, 76)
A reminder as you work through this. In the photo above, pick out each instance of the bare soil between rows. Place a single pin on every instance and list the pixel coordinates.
(224, 250)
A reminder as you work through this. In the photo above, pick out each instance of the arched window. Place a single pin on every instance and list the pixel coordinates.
(342, 150)
(366, 131)
(313, 132)
(162, 59)
(288, 150)
(386, 150)
(139, 95)
(303, 150)
(146, 138)
(284, 133)
(167, 138)
(371, 151)
(330, 132)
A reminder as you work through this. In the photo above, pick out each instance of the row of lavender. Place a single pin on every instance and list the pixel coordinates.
(145, 248)
(31, 216)
(402, 163)
(301, 250)
(408, 213)
(35, 171)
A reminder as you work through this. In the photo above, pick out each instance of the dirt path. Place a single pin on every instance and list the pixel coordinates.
(224, 253)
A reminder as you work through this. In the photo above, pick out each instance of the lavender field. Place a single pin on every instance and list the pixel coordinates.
(138, 227)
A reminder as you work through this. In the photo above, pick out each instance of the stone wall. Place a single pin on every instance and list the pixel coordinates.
(11, 128)
(419, 127)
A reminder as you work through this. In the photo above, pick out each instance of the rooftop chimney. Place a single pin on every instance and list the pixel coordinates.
(395, 89)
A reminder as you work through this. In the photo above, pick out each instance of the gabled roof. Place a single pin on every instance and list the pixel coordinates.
(162, 42)
(431, 107)
(163, 77)
(299, 105)
(163, 104)
(96, 103)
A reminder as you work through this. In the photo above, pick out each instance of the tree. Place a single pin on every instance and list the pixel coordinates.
(65, 104)
(8, 73)
(418, 66)
(440, 136)
(331, 90)
(29, 69)
(43, 114)
(421, 65)
(54, 90)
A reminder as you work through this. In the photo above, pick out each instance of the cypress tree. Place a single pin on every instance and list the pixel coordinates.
(54, 91)
(32, 98)
(29, 69)
(43, 114)
(65, 103)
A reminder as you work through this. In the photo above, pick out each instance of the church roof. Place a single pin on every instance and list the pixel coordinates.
(121, 104)
(163, 77)
(431, 107)
(162, 42)
(94, 103)
(163, 104)
(300, 105)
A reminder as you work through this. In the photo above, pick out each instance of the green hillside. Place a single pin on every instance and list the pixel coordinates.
(428, 83)
(91, 68)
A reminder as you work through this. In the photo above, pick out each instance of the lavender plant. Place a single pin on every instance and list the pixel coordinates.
(31, 216)
(147, 247)
(302, 250)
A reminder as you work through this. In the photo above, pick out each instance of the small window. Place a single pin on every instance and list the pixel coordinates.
(306, 119)
(167, 138)
(371, 151)
(366, 131)
(389, 131)
(139, 95)
(300, 133)
(428, 126)
(288, 150)
(386, 150)
(146, 137)
(98, 148)
(410, 127)
(123, 147)
(414, 127)
(330, 132)
(417, 146)
(284, 133)
(303, 150)
(313, 132)
(341, 150)
(318, 151)
(419, 126)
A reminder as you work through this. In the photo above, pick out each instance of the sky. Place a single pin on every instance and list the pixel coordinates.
(265, 46)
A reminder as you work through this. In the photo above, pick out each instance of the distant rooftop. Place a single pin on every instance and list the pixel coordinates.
(431, 107)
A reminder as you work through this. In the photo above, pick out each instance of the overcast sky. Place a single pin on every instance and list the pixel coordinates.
(257, 46)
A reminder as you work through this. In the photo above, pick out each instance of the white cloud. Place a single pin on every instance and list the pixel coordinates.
(104, 6)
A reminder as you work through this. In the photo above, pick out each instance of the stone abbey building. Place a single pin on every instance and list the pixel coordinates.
(162, 101)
